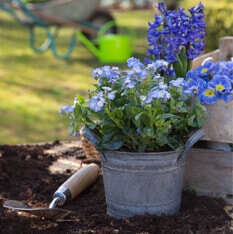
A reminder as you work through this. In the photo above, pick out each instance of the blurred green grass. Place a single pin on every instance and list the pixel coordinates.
(34, 86)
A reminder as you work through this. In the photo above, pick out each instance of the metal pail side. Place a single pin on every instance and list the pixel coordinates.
(140, 183)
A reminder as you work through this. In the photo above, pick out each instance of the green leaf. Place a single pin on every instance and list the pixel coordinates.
(81, 99)
(167, 116)
(138, 116)
(181, 66)
(147, 132)
(162, 140)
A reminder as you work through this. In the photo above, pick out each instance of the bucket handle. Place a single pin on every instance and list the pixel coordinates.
(90, 136)
(197, 135)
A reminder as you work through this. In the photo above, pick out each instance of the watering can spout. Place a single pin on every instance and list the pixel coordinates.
(90, 46)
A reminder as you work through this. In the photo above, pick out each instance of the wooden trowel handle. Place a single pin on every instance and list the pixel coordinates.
(77, 183)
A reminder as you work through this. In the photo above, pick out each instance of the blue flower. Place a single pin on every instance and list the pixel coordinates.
(138, 67)
(220, 83)
(66, 109)
(178, 82)
(224, 68)
(110, 73)
(138, 131)
(191, 87)
(162, 7)
(129, 83)
(196, 32)
(214, 81)
(158, 94)
(175, 29)
(153, 66)
(111, 95)
(77, 134)
(227, 96)
(97, 102)
(208, 96)
(162, 86)
(205, 69)
(135, 63)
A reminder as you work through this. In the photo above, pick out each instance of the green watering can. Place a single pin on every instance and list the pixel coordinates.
(112, 48)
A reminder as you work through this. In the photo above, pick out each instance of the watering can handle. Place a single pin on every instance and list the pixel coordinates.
(197, 135)
(110, 24)
(104, 28)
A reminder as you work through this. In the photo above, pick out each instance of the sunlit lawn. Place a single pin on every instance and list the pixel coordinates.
(34, 86)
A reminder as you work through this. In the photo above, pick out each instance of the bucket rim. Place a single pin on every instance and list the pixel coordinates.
(142, 153)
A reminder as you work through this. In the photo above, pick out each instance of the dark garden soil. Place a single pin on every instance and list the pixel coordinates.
(26, 175)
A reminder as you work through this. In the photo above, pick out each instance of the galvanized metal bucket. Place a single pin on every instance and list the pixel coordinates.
(140, 183)
(137, 183)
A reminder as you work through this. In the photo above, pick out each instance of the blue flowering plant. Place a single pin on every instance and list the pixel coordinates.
(177, 37)
(151, 106)
(138, 109)
(212, 81)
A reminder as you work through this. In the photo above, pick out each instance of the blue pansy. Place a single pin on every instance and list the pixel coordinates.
(227, 96)
(214, 81)
(220, 83)
(208, 95)
(204, 70)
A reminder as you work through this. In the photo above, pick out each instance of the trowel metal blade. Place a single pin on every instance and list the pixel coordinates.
(48, 213)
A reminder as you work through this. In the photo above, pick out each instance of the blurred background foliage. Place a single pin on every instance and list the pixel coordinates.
(34, 86)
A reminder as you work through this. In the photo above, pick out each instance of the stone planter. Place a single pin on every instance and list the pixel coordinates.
(210, 173)
(219, 125)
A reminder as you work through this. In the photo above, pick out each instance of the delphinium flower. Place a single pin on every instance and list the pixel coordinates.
(177, 37)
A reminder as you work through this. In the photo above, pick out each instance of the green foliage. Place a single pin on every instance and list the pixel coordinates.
(219, 23)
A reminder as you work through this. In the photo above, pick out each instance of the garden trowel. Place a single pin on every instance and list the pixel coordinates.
(72, 187)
